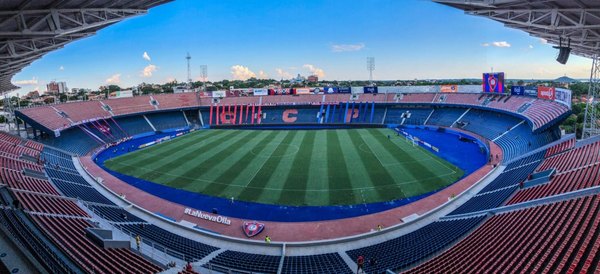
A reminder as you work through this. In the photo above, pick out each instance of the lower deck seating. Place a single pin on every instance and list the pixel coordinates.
(323, 263)
(489, 125)
(16, 180)
(241, 261)
(485, 201)
(521, 140)
(585, 177)
(562, 237)
(81, 192)
(173, 244)
(73, 140)
(407, 116)
(114, 214)
(134, 124)
(167, 120)
(49, 204)
(409, 249)
(445, 116)
(24, 236)
(70, 233)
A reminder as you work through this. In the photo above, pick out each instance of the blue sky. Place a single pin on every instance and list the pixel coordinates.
(277, 39)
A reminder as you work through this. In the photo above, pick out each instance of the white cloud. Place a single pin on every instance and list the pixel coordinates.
(148, 70)
(61, 68)
(31, 82)
(262, 75)
(283, 74)
(347, 47)
(498, 44)
(501, 44)
(530, 46)
(543, 41)
(314, 70)
(146, 56)
(241, 73)
(114, 79)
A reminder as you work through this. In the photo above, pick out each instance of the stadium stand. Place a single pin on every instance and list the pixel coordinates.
(445, 116)
(114, 213)
(576, 169)
(413, 247)
(46, 116)
(541, 112)
(324, 263)
(63, 219)
(70, 232)
(52, 260)
(176, 101)
(487, 124)
(240, 261)
(167, 120)
(73, 140)
(561, 237)
(60, 218)
(171, 243)
(80, 111)
(134, 125)
(131, 105)
(48, 204)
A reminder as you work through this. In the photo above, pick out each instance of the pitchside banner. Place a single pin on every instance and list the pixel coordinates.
(331, 90)
(260, 92)
(302, 91)
(531, 91)
(370, 89)
(517, 90)
(344, 90)
(219, 93)
(493, 82)
(548, 93)
(449, 88)
(563, 96)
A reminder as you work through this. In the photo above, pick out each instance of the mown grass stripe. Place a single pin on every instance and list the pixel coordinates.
(361, 185)
(294, 186)
(163, 170)
(196, 167)
(229, 177)
(274, 187)
(263, 154)
(339, 184)
(378, 174)
(385, 150)
(265, 173)
(430, 176)
(318, 177)
(153, 155)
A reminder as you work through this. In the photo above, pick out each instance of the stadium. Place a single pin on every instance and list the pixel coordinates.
(384, 179)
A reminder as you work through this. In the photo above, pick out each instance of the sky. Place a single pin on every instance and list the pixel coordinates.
(238, 39)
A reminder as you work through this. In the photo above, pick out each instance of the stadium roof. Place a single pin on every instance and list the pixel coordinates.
(578, 20)
(31, 28)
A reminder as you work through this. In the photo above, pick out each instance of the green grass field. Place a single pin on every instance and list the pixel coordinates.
(292, 167)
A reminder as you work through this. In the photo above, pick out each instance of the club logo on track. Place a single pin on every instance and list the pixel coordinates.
(252, 228)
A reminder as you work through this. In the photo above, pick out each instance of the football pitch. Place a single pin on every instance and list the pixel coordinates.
(292, 167)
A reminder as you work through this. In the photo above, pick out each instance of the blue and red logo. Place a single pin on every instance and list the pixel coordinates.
(252, 228)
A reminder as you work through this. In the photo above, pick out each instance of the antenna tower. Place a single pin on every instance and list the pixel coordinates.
(371, 68)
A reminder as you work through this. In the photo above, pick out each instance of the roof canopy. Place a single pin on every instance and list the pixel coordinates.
(31, 28)
(577, 20)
